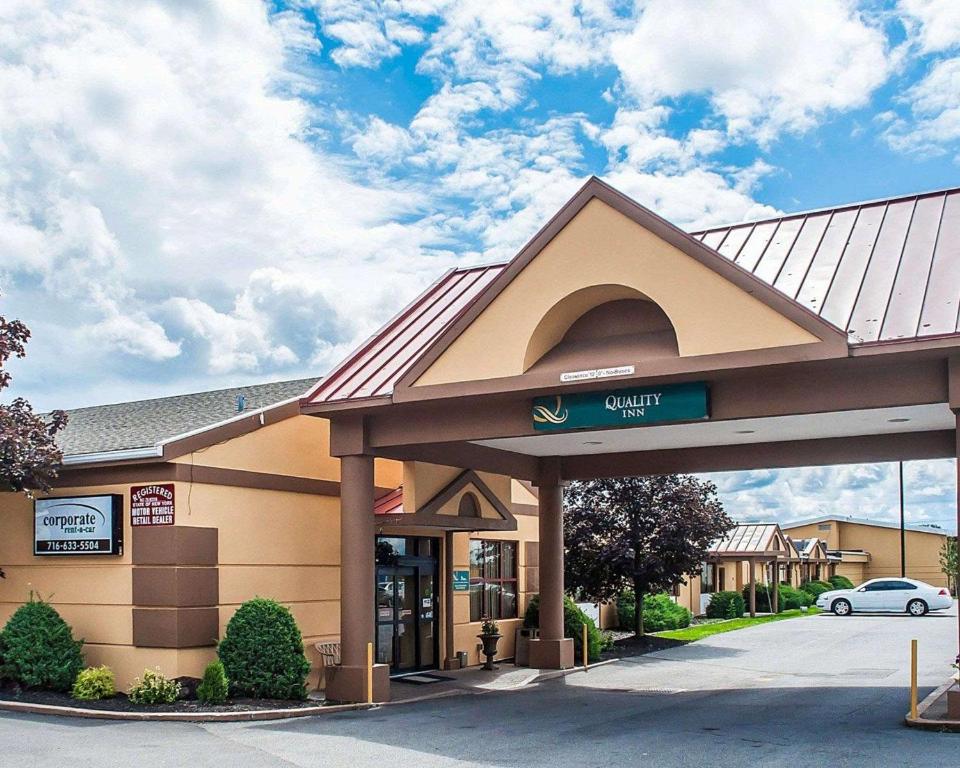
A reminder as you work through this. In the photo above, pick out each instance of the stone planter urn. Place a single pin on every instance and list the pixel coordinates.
(489, 648)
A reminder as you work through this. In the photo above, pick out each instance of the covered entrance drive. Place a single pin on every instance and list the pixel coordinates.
(616, 344)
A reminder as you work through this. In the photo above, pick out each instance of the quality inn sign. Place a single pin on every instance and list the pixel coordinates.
(619, 408)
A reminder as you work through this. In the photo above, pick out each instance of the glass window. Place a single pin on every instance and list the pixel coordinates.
(493, 579)
(706, 579)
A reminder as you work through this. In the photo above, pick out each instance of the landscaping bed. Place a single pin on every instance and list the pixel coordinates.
(625, 647)
(121, 703)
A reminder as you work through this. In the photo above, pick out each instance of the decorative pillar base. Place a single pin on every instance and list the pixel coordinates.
(551, 654)
(349, 684)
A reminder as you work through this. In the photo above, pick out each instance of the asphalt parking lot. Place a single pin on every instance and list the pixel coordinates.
(815, 691)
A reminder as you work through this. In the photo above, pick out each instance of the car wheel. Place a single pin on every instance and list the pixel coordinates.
(841, 607)
(917, 608)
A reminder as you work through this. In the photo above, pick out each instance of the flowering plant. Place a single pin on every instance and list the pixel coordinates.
(489, 627)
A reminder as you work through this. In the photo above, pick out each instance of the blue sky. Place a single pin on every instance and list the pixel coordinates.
(203, 193)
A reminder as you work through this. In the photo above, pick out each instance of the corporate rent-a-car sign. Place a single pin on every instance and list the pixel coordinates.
(78, 525)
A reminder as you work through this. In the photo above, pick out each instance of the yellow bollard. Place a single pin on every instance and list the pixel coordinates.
(586, 649)
(913, 679)
(369, 673)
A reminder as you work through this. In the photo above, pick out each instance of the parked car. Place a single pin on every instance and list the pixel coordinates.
(891, 595)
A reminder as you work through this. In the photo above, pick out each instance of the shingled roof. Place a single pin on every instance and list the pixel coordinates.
(150, 423)
(883, 271)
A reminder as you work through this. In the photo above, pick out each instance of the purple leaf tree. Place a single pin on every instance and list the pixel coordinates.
(647, 533)
(29, 457)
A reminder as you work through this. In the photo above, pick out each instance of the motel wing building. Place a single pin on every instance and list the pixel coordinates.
(614, 343)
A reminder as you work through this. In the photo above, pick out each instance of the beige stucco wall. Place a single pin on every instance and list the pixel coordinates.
(883, 545)
(601, 247)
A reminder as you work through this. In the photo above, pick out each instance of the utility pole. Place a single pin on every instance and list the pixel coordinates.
(903, 531)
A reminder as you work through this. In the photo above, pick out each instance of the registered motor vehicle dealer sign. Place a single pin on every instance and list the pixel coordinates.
(152, 505)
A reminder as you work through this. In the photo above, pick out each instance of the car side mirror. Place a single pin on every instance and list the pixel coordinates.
(862, 589)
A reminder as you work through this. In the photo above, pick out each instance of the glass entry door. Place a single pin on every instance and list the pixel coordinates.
(406, 603)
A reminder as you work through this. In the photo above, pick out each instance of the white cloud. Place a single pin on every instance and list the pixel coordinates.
(766, 67)
(858, 490)
(164, 156)
(935, 105)
(933, 24)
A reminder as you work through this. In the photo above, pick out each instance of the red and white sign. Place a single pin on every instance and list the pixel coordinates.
(151, 504)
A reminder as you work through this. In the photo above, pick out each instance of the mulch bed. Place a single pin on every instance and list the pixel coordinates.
(120, 703)
(626, 647)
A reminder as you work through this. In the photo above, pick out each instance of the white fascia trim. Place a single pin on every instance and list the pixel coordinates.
(123, 455)
(237, 417)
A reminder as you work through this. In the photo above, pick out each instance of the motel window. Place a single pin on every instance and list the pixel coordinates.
(493, 579)
(706, 579)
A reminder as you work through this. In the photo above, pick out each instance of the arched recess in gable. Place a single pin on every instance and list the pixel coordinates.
(600, 325)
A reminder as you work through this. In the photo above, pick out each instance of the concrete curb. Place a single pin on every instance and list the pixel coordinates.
(950, 726)
(27, 708)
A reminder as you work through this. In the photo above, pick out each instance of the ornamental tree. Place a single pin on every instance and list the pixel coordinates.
(648, 533)
(29, 457)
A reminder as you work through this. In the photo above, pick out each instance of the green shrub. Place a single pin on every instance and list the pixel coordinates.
(816, 588)
(94, 683)
(154, 688)
(659, 612)
(791, 598)
(573, 621)
(213, 689)
(726, 605)
(763, 592)
(262, 652)
(40, 651)
(840, 582)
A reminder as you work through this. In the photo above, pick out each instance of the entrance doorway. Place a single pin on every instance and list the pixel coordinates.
(407, 621)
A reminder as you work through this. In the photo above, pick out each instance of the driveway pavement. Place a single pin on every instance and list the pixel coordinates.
(817, 691)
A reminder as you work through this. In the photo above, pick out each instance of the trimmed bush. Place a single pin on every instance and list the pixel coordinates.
(659, 612)
(94, 683)
(40, 649)
(213, 689)
(840, 582)
(816, 588)
(262, 652)
(154, 688)
(573, 621)
(726, 605)
(763, 598)
(791, 599)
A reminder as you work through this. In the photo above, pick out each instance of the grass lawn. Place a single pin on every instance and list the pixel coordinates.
(700, 631)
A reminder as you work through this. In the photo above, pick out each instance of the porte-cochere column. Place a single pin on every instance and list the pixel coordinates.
(348, 681)
(552, 650)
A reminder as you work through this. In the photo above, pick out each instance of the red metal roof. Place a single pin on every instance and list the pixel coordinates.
(882, 271)
(373, 369)
(886, 270)
(389, 504)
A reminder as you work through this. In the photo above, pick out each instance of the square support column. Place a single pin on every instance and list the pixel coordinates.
(347, 682)
(552, 650)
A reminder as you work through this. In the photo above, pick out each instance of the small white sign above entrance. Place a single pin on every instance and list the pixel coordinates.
(596, 373)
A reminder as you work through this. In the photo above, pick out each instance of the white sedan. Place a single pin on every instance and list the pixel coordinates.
(891, 595)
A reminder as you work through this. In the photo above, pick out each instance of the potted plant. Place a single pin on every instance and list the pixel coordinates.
(489, 636)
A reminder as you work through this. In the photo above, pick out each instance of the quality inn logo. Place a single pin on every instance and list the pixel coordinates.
(544, 415)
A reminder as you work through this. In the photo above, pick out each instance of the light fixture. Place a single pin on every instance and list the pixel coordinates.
(745, 431)
(898, 420)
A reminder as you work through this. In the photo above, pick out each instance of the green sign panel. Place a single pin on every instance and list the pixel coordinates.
(621, 407)
(461, 581)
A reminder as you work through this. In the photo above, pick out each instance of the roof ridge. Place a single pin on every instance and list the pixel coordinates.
(191, 394)
(826, 209)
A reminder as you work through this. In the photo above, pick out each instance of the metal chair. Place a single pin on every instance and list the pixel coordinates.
(329, 657)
